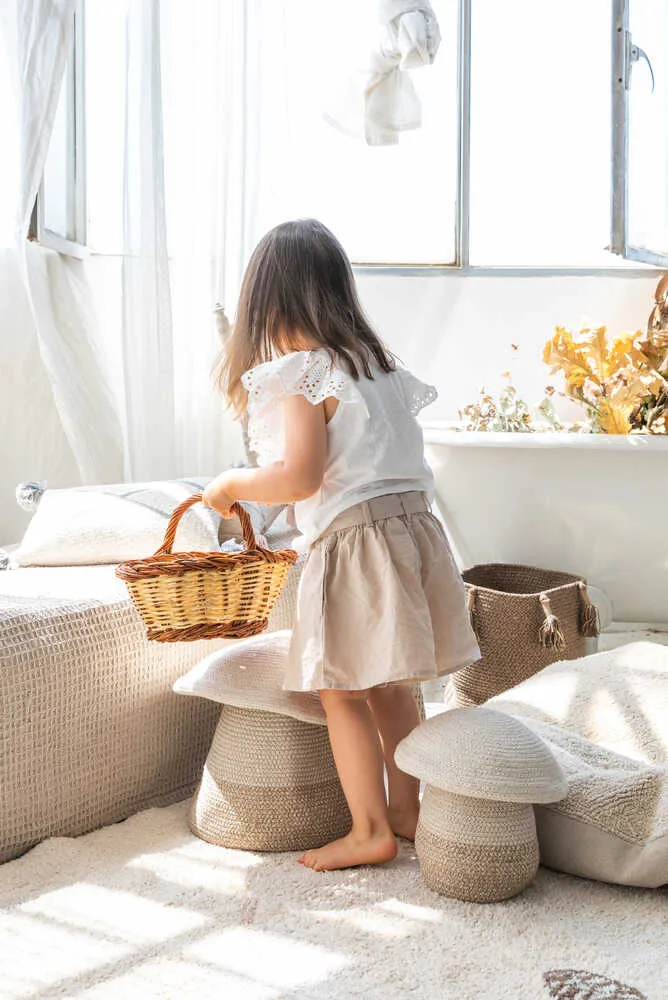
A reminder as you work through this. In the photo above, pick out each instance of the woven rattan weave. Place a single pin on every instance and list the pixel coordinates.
(185, 596)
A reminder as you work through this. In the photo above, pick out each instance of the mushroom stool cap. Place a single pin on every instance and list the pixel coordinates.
(249, 673)
(482, 754)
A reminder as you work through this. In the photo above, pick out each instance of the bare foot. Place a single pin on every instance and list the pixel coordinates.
(350, 851)
(403, 822)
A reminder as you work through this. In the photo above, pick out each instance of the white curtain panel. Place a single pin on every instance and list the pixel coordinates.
(37, 35)
(188, 226)
(148, 348)
(38, 38)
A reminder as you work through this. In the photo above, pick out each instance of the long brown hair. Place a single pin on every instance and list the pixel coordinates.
(298, 283)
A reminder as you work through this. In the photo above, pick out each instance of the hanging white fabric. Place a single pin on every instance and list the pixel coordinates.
(148, 356)
(380, 100)
(58, 303)
(188, 207)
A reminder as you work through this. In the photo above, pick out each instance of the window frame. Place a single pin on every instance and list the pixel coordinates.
(73, 81)
(647, 260)
(621, 84)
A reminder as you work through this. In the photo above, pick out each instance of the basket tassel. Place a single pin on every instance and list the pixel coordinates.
(550, 634)
(590, 625)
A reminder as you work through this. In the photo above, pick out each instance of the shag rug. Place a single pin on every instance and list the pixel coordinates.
(143, 909)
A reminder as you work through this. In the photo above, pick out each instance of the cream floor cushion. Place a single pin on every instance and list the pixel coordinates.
(605, 717)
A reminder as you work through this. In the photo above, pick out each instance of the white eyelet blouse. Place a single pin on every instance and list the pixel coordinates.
(374, 442)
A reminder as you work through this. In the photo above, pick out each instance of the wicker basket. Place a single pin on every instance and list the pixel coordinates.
(524, 618)
(183, 596)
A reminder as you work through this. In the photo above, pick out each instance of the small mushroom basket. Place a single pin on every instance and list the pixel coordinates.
(184, 596)
(476, 836)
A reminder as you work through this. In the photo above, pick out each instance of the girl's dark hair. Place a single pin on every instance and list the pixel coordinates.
(298, 283)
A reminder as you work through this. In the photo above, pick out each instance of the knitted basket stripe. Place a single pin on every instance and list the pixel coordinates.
(268, 750)
(269, 784)
(476, 822)
(476, 874)
(269, 819)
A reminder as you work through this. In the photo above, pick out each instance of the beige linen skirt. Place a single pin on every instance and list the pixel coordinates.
(380, 600)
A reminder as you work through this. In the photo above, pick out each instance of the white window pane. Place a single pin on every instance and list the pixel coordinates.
(540, 140)
(105, 123)
(393, 203)
(58, 177)
(648, 129)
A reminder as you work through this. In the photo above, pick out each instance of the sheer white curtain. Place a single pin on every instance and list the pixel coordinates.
(57, 308)
(190, 146)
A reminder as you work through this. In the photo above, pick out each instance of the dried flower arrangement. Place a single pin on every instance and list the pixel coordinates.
(508, 412)
(622, 383)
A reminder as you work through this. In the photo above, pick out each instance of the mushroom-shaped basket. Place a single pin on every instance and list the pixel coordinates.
(476, 836)
(205, 595)
(269, 781)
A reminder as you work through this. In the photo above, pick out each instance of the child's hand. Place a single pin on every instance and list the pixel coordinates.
(219, 495)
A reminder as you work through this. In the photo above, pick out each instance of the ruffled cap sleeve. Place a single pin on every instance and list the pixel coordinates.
(416, 393)
(311, 374)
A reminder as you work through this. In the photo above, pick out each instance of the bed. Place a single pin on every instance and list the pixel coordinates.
(90, 730)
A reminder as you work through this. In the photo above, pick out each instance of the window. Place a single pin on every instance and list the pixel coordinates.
(511, 167)
(59, 216)
(540, 133)
(386, 203)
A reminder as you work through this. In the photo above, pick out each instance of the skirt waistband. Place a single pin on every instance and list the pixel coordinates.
(379, 508)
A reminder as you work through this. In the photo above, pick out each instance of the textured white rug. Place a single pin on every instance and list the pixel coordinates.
(143, 910)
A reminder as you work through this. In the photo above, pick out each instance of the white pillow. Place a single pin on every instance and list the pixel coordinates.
(613, 823)
(249, 673)
(112, 523)
(605, 718)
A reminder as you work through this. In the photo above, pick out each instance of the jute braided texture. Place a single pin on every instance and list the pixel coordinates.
(473, 850)
(518, 633)
(269, 784)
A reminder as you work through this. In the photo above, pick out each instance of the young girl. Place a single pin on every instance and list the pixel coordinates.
(332, 418)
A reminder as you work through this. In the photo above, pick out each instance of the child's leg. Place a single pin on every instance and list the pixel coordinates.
(359, 762)
(396, 713)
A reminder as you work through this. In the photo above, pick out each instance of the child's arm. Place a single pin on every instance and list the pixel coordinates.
(297, 477)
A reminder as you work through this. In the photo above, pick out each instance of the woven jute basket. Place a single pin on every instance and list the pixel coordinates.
(474, 849)
(184, 596)
(269, 784)
(524, 618)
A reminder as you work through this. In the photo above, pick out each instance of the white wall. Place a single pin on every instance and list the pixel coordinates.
(456, 332)
(453, 331)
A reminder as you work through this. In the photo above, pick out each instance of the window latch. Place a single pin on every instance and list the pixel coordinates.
(633, 55)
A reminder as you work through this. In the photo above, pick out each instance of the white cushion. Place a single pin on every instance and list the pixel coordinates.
(249, 673)
(86, 525)
(605, 717)
(108, 524)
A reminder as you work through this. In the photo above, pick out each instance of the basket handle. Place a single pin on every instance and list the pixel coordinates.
(178, 512)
